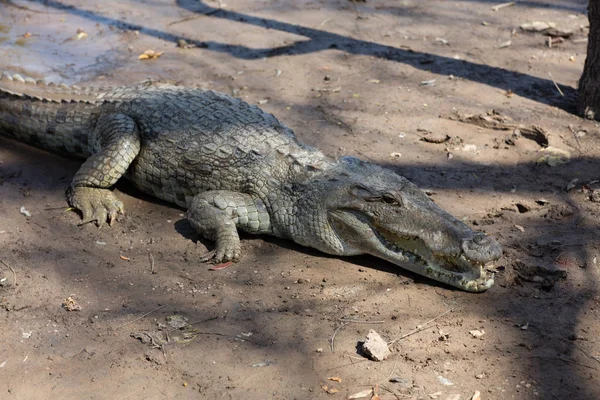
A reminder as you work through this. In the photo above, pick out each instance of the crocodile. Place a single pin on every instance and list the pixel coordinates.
(236, 168)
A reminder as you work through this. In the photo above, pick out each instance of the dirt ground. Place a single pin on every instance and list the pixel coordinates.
(369, 79)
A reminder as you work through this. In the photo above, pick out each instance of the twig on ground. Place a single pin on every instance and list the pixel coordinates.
(164, 351)
(152, 271)
(574, 132)
(420, 328)
(204, 320)
(566, 361)
(544, 387)
(390, 375)
(503, 5)
(360, 322)
(347, 365)
(556, 85)
(335, 333)
(356, 358)
(13, 271)
(595, 358)
(225, 335)
(137, 319)
(324, 22)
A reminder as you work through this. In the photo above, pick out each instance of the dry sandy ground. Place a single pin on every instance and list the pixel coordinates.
(348, 78)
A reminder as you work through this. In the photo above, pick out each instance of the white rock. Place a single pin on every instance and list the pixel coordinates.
(375, 347)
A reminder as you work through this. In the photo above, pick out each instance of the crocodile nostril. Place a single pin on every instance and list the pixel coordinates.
(481, 248)
(479, 239)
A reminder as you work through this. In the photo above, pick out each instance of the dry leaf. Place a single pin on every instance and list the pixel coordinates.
(150, 55)
(123, 257)
(335, 379)
(329, 390)
(80, 34)
(360, 395)
(376, 392)
(70, 304)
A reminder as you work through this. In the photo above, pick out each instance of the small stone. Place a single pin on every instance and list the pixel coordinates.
(525, 326)
(319, 350)
(435, 138)
(375, 347)
(445, 381)
(520, 228)
(443, 336)
(477, 333)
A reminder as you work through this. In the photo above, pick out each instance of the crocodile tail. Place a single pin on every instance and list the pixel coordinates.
(27, 87)
(53, 117)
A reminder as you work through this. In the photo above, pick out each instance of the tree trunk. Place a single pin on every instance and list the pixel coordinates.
(589, 85)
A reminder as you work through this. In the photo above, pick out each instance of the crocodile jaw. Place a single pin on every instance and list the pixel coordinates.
(360, 237)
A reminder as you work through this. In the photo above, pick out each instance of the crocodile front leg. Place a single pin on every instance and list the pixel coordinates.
(218, 214)
(116, 143)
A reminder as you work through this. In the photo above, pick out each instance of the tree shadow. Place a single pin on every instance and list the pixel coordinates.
(556, 4)
(541, 351)
(531, 87)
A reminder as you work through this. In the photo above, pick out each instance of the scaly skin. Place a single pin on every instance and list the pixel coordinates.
(235, 167)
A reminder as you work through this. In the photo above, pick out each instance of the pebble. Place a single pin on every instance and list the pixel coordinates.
(375, 347)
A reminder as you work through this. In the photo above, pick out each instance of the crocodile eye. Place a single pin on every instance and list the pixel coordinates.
(389, 199)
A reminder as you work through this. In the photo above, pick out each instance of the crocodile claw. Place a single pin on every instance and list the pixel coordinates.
(96, 205)
(224, 252)
(220, 257)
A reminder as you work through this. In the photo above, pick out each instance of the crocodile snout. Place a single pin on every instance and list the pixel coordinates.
(481, 248)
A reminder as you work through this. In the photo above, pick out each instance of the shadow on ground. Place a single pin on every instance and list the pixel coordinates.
(531, 87)
(539, 351)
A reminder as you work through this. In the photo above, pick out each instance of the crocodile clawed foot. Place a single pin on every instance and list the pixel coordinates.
(222, 254)
(227, 251)
(99, 205)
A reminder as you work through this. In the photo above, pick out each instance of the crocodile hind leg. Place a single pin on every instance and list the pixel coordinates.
(218, 214)
(116, 143)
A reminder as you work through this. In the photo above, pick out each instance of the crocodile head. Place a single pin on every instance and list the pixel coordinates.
(370, 210)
